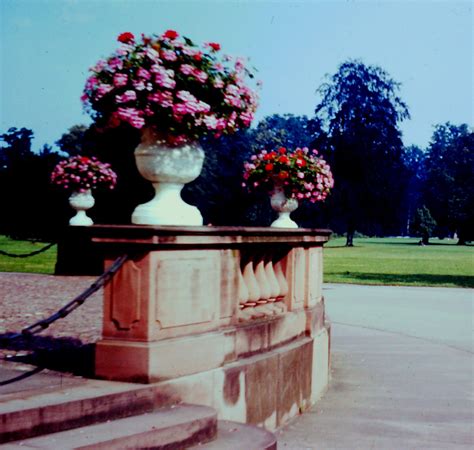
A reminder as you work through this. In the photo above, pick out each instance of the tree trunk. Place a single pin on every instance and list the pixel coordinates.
(425, 239)
(350, 238)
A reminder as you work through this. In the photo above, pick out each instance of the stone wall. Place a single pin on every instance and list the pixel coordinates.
(227, 317)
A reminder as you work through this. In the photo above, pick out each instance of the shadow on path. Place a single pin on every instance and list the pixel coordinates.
(60, 354)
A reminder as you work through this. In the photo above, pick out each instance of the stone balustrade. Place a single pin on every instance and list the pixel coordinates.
(223, 316)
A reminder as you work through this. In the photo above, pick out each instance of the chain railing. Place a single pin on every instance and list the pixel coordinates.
(27, 255)
(63, 312)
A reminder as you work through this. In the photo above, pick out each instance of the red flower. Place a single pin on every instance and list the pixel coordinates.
(198, 56)
(300, 162)
(126, 37)
(269, 167)
(267, 157)
(282, 150)
(84, 159)
(216, 47)
(171, 34)
(283, 175)
(283, 159)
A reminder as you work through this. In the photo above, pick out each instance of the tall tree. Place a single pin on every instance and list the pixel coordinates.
(33, 209)
(450, 180)
(414, 160)
(361, 111)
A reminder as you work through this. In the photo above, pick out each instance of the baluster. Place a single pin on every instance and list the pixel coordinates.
(254, 292)
(274, 285)
(280, 276)
(263, 304)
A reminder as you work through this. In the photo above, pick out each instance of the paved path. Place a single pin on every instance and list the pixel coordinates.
(403, 371)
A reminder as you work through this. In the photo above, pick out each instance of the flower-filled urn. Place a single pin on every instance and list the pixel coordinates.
(175, 92)
(80, 175)
(289, 177)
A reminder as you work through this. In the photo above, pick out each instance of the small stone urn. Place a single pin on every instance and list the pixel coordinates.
(81, 202)
(284, 206)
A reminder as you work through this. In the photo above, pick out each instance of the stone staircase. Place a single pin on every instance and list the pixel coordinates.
(102, 415)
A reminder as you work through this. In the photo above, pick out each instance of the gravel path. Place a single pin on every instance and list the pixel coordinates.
(27, 298)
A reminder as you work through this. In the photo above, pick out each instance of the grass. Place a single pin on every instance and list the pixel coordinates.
(42, 263)
(399, 262)
(395, 261)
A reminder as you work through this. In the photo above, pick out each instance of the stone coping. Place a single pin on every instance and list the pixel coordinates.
(205, 236)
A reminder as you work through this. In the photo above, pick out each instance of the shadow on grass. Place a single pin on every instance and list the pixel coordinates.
(420, 279)
(60, 354)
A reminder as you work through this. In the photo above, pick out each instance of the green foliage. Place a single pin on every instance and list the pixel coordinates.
(74, 141)
(399, 262)
(33, 208)
(284, 131)
(423, 224)
(449, 186)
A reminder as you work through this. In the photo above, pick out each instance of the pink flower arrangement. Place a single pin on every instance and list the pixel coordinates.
(170, 84)
(80, 173)
(301, 174)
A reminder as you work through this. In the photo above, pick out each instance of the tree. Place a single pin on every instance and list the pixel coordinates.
(284, 131)
(75, 141)
(360, 110)
(33, 209)
(414, 160)
(449, 187)
(423, 224)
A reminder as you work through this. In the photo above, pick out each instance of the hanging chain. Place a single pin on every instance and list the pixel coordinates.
(73, 304)
(27, 255)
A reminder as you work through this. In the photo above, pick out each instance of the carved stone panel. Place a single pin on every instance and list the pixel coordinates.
(125, 296)
(187, 288)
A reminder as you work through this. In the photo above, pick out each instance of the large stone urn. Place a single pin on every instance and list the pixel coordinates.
(168, 169)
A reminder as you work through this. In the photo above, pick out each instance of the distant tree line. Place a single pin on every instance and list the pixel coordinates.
(382, 187)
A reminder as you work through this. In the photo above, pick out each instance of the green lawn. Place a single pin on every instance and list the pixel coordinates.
(399, 261)
(371, 261)
(42, 263)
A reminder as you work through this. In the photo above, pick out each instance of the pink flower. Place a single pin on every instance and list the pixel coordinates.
(200, 75)
(187, 69)
(218, 83)
(152, 54)
(300, 175)
(115, 63)
(168, 55)
(128, 96)
(120, 79)
(246, 118)
(139, 85)
(132, 116)
(210, 122)
(143, 73)
(102, 90)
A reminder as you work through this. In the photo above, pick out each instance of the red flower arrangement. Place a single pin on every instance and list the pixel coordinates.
(301, 174)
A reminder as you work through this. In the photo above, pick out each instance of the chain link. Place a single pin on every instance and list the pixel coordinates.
(73, 304)
(27, 255)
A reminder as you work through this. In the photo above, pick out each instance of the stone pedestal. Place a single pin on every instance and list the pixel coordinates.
(228, 317)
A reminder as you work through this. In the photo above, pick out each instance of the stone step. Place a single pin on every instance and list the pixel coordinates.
(51, 409)
(238, 436)
(175, 427)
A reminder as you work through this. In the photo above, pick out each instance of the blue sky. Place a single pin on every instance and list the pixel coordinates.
(47, 46)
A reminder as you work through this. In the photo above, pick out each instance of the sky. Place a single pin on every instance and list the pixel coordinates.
(47, 46)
